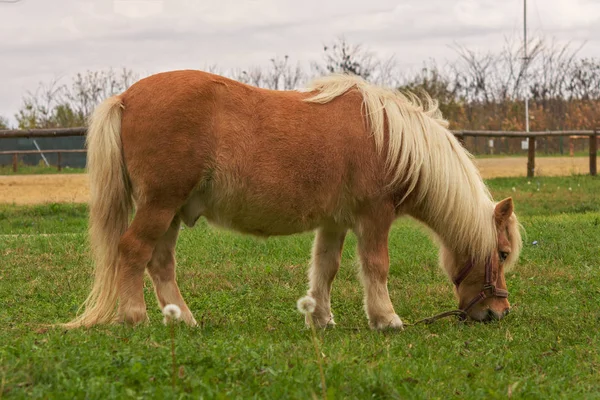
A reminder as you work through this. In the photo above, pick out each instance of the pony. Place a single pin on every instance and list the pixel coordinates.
(340, 155)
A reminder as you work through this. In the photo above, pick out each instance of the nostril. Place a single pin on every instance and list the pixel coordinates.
(506, 312)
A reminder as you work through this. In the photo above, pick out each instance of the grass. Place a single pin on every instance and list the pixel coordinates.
(252, 342)
(24, 169)
(46, 219)
(546, 196)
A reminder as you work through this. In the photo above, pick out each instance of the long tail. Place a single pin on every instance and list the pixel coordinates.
(110, 206)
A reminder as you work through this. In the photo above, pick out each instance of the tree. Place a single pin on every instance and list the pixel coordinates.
(37, 108)
(493, 77)
(59, 105)
(343, 57)
(280, 75)
(441, 86)
(583, 81)
(283, 76)
(89, 89)
(3, 123)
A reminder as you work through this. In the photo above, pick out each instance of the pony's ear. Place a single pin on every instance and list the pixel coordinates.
(503, 210)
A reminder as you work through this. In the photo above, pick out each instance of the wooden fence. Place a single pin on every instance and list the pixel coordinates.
(531, 137)
(460, 134)
(59, 153)
(40, 133)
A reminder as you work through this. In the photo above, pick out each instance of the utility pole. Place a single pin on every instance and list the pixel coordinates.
(526, 61)
(531, 139)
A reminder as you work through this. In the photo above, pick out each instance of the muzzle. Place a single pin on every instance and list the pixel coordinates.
(489, 289)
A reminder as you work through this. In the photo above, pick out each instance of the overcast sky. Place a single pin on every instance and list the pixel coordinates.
(41, 40)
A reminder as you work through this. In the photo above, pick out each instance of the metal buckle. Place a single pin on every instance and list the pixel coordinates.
(491, 289)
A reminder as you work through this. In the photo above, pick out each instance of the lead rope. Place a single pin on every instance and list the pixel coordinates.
(425, 321)
(436, 317)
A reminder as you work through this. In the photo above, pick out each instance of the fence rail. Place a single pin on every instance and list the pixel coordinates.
(531, 138)
(523, 134)
(59, 153)
(41, 133)
(460, 134)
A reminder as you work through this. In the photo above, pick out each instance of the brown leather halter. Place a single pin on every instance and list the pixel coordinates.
(489, 288)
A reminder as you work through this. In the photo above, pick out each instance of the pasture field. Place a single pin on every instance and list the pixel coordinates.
(252, 343)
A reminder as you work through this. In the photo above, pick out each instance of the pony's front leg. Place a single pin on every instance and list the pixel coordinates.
(327, 254)
(372, 236)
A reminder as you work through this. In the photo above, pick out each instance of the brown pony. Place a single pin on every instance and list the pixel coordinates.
(341, 155)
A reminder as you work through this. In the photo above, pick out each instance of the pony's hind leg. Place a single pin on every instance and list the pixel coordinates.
(372, 236)
(327, 253)
(135, 252)
(162, 271)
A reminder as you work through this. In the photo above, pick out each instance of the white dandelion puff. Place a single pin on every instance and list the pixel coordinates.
(514, 189)
(306, 305)
(171, 313)
(570, 189)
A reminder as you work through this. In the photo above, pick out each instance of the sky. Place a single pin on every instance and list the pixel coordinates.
(44, 40)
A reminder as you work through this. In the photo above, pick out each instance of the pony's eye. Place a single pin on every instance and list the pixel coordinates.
(503, 256)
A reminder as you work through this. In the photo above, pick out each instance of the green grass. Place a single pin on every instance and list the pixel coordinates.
(544, 196)
(38, 169)
(51, 218)
(252, 342)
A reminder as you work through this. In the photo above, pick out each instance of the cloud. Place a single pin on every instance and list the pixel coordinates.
(138, 8)
(569, 14)
(46, 39)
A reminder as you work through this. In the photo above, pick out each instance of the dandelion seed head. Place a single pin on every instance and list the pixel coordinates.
(306, 305)
(171, 313)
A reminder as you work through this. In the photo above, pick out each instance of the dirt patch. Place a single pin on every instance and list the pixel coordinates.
(37, 189)
(73, 188)
(544, 166)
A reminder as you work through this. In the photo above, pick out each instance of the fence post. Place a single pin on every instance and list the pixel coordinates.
(59, 160)
(593, 152)
(15, 162)
(531, 157)
(571, 147)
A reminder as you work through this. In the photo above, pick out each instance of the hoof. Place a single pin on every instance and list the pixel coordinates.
(189, 319)
(392, 322)
(133, 317)
(321, 322)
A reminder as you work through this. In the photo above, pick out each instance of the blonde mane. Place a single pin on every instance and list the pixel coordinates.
(451, 197)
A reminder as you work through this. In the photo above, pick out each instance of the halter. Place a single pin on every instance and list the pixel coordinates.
(489, 289)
